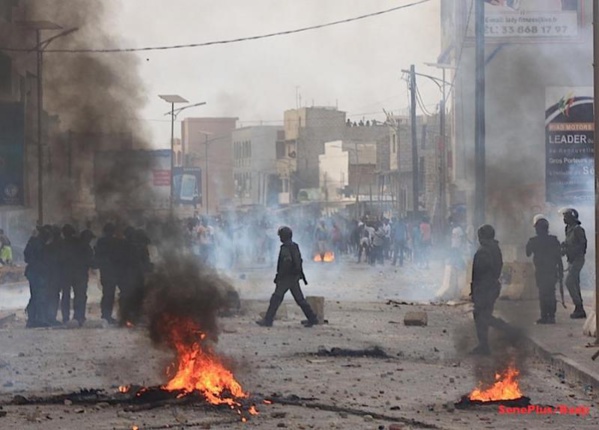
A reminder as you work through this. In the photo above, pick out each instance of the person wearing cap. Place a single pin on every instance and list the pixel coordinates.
(289, 273)
(485, 287)
(545, 249)
(574, 248)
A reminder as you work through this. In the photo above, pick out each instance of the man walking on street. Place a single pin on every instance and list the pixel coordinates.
(485, 287)
(549, 268)
(574, 248)
(289, 273)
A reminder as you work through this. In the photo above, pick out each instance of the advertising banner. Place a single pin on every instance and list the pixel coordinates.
(188, 185)
(12, 141)
(569, 150)
(518, 21)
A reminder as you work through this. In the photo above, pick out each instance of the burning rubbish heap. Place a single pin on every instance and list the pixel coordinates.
(505, 390)
(182, 301)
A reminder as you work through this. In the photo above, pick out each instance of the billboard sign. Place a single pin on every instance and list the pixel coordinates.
(12, 141)
(569, 146)
(188, 185)
(518, 21)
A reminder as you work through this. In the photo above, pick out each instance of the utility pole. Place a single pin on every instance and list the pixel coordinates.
(40, 127)
(415, 176)
(596, 119)
(479, 116)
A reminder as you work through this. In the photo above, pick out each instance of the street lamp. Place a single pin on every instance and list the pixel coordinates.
(40, 46)
(172, 99)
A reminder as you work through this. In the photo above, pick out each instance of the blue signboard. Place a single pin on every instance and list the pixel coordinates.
(188, 185)
(12, 140)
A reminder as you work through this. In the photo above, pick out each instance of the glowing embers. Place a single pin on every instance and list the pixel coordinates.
(329, 257)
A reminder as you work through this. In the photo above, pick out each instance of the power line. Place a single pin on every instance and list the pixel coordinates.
(226, 41)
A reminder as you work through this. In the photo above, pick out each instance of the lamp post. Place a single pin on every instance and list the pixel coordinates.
(40, 46)
(172, 99)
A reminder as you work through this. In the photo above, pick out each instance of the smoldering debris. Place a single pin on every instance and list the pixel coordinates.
(182, 288)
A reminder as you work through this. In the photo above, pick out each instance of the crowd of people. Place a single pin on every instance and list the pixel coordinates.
(58, 264)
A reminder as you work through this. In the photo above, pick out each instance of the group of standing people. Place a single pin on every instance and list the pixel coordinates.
(547, 252)
(396, 240)
(58, 264)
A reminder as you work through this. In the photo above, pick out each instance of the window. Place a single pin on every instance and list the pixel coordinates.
(394, 148)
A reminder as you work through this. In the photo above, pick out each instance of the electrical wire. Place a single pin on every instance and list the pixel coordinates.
(420, 101)
(226, 41)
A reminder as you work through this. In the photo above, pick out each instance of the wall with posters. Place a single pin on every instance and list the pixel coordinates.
(519, 71)
(569, 146)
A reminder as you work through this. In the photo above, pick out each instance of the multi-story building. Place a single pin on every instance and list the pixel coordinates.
(255, 165)
(207, 144)
(539, 57)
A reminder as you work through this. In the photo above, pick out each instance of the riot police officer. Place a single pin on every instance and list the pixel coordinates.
(289, 273)
(574, 248)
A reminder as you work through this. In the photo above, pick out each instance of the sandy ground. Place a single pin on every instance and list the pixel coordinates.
(426, 369)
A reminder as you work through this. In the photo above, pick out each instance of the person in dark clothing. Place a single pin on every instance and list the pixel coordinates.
(108, 253)
(36, 272)
(137, 265)
(574, 248)
(549, 268)
(56, 279)
(79, 258)
(485, 287)
(400, 238)
(289, 273)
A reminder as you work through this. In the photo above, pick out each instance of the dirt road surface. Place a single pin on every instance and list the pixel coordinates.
(426, 370)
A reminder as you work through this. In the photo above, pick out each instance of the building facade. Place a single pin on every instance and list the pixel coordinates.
(531, 49)
(255, 175)
(207, 144)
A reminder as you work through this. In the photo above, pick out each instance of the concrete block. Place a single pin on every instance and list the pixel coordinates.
(95, 324)
(590, 326)
(317, 305)
(518, 281)
(415, 318)
(452, 288)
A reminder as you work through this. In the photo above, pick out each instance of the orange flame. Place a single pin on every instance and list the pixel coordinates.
(506, 387)
(329, 257)
(124, 388)
(129, 324)
(198, 368)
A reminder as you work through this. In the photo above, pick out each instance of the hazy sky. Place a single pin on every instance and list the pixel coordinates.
(355, 65)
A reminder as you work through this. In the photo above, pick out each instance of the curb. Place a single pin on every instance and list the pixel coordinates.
(569, 369)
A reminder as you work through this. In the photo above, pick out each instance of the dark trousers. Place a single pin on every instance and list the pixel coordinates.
(132, 297)
(399, 247)
(37, 314)
(282, 286)
(483, 319)
(55, 286)
(109, 285)
(573, 280)
(78, 283)
(547, 301)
